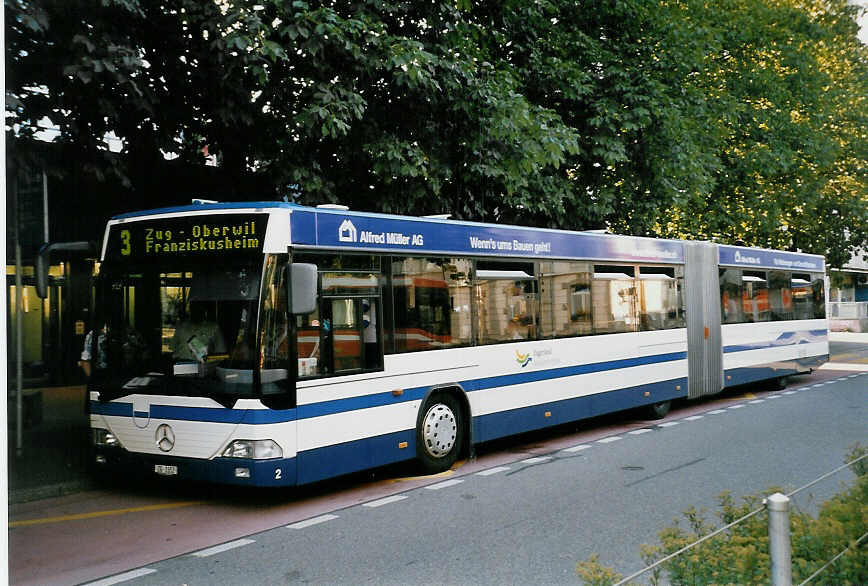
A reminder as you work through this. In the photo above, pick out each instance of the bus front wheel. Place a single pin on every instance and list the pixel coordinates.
(439, 433)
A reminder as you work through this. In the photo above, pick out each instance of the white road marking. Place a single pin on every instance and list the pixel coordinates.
(536, 460)
(773, 397)
(640, 431)
(717, 412)
(694, 417)
(577, 448)
(444, 484)
(789, 392)
(739, 406)
(608, 440)
(389, 499)
(491, 471)
(756, 402)
(669, 424)
(222, 547)
(122, 577)
(814, 387)
(311, 522)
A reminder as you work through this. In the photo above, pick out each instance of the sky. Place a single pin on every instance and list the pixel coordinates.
(863, 21)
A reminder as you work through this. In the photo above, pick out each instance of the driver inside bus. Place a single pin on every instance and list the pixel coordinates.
(197, 336)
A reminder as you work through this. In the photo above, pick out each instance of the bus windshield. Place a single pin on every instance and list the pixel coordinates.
(184, 330)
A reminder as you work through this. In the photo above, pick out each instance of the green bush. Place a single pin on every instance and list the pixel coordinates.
(740, 555)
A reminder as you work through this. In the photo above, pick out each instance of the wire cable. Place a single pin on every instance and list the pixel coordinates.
(827, 474)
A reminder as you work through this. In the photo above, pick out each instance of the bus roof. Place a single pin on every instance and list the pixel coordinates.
(321, 228)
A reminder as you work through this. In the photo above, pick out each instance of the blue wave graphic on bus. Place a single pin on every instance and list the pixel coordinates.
(784, 339)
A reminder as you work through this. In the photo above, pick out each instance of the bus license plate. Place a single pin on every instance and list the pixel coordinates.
(165, 470)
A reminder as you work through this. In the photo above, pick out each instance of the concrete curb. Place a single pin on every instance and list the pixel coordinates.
(37, 493)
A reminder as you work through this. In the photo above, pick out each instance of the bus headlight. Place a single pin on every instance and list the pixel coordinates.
(253, 449)
(105, 438)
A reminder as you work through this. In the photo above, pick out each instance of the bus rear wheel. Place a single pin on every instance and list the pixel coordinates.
(658, 410)
(439, 433)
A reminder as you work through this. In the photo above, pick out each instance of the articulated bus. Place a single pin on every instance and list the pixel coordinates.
(271, 344)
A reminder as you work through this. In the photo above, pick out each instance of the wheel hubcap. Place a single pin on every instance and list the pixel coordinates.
(439, 429)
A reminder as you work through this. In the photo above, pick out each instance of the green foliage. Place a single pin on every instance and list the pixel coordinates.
(787, 131)
(738, 120)
(740, 555)
(593, 573)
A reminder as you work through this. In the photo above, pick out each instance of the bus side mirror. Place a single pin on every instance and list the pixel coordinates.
(43, 260)
(302, 288)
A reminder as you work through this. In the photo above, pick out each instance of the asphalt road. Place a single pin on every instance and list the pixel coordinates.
(531, 520)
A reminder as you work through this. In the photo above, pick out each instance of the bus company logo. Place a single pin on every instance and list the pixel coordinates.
(751, 260)
(347, 232)
(523, 359)
(165, 438)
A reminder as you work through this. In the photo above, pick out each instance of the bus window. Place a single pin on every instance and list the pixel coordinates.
(780, 296)
(309, 344)
(274, 350)
(755, 296)
(818, 287)
(344, 334)
(803, 296)
(432, 303)
(659, 302)
(506, 301)
(731, 307)
(565, 299)
(613, 294)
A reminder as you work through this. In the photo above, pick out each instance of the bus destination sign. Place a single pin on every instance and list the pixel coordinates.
(195, 236)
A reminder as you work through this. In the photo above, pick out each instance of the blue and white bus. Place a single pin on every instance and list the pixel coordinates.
(271, 344)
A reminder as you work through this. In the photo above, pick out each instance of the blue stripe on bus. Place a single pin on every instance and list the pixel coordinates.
(471, 385)
(345, 458)
(513, 421)
(264, 416)
(200, 414)
(267, 416)
(210, 414)
(567, 371)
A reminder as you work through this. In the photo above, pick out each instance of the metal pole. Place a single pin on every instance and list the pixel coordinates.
(19, 324)
(44, 207)
(19, 349)
(778, 506)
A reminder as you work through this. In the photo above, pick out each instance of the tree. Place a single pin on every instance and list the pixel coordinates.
(791, 78)
(732, 121)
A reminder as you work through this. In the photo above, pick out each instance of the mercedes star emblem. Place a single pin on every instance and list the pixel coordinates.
(165, 438)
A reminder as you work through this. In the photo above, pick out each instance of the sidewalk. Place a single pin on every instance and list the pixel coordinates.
(851, 337)
(54, 455)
